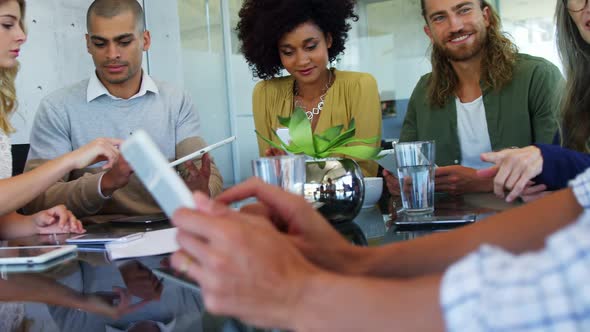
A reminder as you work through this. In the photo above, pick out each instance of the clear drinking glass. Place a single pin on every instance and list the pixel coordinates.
(287, 172)
(415, 170)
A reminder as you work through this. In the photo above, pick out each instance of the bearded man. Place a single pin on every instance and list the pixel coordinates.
(482, 95)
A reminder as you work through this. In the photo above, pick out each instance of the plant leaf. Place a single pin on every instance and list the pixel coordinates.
(327, 144)
(284, 121)
(320, 144)
(273, 144)
(353, 140)
(300, 131)
(348, 134)
(331, 133)
(362, 152)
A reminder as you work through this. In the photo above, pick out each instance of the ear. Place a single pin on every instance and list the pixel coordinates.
(329, 40)
(147, 40)
(487, 14)
(87, 42)
(428, 32)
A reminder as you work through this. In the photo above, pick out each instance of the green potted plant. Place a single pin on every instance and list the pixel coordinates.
(334, 180)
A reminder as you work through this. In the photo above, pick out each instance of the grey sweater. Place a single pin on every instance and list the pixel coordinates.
(65, 121)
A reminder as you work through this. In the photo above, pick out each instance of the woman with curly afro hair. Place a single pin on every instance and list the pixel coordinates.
(304, 37)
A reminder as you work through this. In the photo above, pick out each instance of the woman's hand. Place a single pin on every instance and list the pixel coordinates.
(513, 171)
(57, 220)
(534, 192)
(101, 149)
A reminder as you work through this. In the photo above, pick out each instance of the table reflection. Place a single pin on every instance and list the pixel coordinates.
(150, 304)
(99, 296)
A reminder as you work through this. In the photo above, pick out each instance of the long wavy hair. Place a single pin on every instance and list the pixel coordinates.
(575, 55)
(8, 101)
(497, 64)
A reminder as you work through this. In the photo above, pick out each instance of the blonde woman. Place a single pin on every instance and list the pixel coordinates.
(17, 191)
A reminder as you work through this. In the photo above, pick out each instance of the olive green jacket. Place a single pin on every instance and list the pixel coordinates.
(523, 112)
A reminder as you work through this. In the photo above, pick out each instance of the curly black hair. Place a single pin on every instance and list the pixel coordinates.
(264, 22)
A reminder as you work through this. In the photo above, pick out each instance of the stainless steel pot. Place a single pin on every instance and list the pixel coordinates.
(336, 187)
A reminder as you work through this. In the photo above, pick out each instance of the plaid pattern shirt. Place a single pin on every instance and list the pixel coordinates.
(548, 290)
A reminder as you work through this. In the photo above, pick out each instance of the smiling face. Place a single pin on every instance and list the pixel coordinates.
(12, 35)
(458, 28)
(117, 47)
(582, 21)
(304, 52)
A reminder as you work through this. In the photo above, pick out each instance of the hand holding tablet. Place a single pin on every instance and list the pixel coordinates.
(155, 172)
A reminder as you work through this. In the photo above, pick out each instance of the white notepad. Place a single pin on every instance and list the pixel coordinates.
(165, 240)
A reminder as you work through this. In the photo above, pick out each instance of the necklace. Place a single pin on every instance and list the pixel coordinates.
(316, 110)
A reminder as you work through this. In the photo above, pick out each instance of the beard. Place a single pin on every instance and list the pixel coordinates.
(465, 52)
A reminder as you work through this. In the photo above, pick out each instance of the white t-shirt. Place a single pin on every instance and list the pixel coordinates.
(473, 133)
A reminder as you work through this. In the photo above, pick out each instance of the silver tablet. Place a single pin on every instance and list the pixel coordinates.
(33, 255)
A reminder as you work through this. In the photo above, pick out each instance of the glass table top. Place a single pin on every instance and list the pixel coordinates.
(89, 293)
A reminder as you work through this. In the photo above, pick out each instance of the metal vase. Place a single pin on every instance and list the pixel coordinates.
(336, 187)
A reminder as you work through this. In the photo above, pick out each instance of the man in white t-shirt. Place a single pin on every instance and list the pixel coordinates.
(482, 95)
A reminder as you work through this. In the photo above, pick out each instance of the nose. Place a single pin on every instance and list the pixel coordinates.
(302, 58)
(455, 23)
(21, 36)
(113, 51)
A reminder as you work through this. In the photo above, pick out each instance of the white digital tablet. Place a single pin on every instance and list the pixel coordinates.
(154, 171)
(40, 267)
(103, 238)
(199, 153)
(33, 255)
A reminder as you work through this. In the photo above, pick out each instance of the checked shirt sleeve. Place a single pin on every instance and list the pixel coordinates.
(547, 290)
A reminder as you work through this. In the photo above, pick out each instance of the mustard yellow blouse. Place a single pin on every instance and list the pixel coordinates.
(352, 95)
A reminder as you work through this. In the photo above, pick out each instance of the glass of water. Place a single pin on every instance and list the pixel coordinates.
(287, 172)
(415, 170)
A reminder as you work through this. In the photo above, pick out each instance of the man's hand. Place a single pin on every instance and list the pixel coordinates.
(140, 281)
(116, 178)
(392, 183)
(113, 304)
(307, 229)
(458, 180)
(272, 152)
(198, 179)
(58, 219)
(513, 171)
(245, 267)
